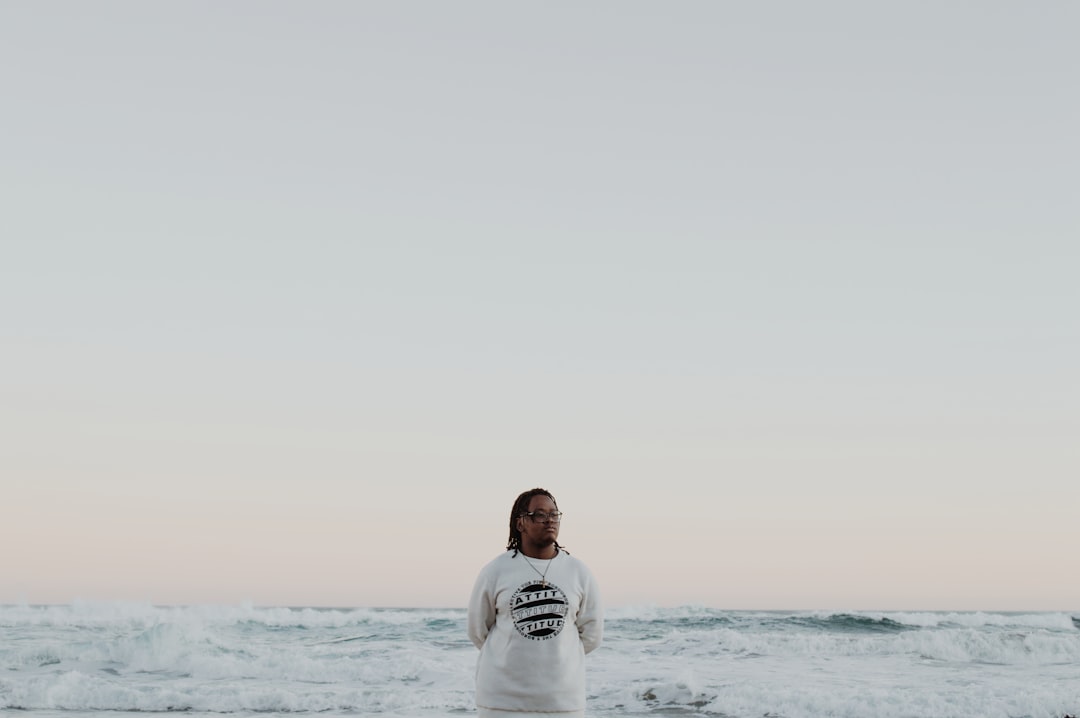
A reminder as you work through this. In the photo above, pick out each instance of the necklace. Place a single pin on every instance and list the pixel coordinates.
(543, 576)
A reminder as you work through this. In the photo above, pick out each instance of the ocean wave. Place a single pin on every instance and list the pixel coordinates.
(851, 622)
(958, 646)
(77, 691)
(691, 694)
(973, 619)
(91, 614)
(690, 660)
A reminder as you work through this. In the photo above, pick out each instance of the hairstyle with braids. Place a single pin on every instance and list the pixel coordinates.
(521, 506)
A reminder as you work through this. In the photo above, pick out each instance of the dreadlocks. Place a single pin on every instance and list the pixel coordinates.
(521, 506)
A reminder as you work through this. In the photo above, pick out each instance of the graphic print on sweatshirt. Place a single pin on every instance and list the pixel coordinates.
(539, 611)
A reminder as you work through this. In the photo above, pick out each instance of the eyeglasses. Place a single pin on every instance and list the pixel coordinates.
(541, 517)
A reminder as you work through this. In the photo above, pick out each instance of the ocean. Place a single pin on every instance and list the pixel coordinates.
(85, 659)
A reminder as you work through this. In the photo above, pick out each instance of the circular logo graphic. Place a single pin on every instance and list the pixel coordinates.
(539, 611)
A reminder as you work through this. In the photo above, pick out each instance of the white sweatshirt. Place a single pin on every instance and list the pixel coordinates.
(533, 638)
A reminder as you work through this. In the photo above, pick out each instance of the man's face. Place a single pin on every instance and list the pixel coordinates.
(539, 533)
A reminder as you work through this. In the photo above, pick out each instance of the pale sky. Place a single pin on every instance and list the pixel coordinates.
(780, 300)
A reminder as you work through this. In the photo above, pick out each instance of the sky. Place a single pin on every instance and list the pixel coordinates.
(778, 299)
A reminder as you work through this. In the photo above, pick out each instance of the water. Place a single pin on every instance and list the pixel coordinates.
(74, 661)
